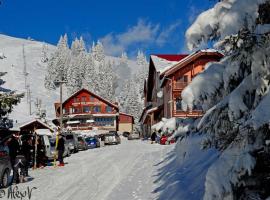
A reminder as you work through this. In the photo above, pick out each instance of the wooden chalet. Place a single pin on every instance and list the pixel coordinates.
(85, 110)
(168, 76)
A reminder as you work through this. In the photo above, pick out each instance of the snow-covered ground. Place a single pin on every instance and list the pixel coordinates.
(127, 171)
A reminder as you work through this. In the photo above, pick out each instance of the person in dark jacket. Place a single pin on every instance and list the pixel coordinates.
(153, 137)
(14, 149)
(26, 151)
(40, 153)
(61, 149)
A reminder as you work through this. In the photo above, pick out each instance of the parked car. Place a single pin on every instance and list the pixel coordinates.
(82, 145)
(72, 140)
(126, 134)
(53, 143)
(5, 165)
(44, 135)
(112, 138)
(164, 140)
(134, 136)
(92, 142)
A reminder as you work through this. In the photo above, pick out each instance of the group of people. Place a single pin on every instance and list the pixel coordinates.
(20, 156)
(28, 151)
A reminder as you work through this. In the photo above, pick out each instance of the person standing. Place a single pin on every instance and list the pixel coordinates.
(153, 137)
(40, 153)
(61, 149)
(26, 151)
(14, 148)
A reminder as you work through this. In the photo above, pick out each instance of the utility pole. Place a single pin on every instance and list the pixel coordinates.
(25, 73)
(61, 82)
(29, 99)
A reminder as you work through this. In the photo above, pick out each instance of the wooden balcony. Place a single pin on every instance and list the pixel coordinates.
(186, 114)
(179, 85)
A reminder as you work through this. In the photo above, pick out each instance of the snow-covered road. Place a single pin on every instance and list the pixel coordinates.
(126, 171)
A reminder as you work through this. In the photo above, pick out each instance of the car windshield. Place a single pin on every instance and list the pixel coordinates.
(52, 141)
(110, 134)
(90, 139)
(69, 137)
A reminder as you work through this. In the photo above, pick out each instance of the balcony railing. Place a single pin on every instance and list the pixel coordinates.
(179, 85)
(182, 113)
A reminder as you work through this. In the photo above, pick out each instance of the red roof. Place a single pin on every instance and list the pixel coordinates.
(93, 94)
(171, 57)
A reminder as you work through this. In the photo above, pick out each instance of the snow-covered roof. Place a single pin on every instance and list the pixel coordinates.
(190, 58)
(43, 132)
(34, 120)
(163, 62)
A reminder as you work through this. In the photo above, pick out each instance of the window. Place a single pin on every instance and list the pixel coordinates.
(104, 121)
(92, 98)
(71, 110)
(108, 109)
(76, 99)
(183, 78)
(86, 109)
(178, 104)
(83, 99)
(75, 110)
(97, 109)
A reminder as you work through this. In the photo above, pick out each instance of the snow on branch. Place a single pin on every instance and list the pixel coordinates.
(225, 18)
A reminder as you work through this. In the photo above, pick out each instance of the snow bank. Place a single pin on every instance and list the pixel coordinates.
(184, 176)
(225, 18)
(158, 126)
(169, 124)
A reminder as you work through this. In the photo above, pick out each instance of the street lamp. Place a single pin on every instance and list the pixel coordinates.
(61, 82)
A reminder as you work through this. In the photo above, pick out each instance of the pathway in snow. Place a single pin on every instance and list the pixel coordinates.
(121, 172)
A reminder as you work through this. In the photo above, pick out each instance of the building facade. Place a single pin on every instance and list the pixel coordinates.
(126, 122)
(85, 110)
(167, 78)
(175, 79)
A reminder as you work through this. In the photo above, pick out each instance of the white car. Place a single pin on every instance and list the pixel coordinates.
(134, 136)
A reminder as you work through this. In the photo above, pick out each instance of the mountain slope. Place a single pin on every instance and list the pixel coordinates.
(12, 61)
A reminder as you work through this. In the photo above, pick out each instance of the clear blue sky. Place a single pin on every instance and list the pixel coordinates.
(155, 26)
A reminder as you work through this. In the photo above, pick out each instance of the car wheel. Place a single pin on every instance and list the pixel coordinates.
(68, 153)
(4, 179)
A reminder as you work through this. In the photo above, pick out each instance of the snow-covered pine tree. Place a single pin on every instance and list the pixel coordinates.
(107, 81)
(132, 101)
(97, 51)
(142, 73)
(8, 99)
(77, 66)
(91, 79)
(58, 64)
(44, 53)
(235, 95)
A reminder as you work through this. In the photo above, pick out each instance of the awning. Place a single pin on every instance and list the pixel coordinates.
(73, 122)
